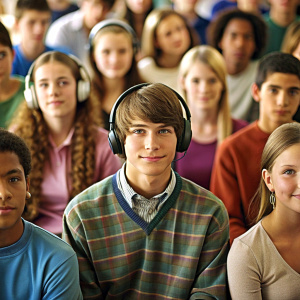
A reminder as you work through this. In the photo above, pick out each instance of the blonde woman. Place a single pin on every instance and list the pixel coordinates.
(264, 262)
(202, 82)
(59, 124)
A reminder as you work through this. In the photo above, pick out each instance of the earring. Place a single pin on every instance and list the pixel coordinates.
(28, 195)
(272, 199)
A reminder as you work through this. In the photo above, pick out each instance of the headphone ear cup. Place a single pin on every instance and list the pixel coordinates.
(186, 136)
(83, 90)
(30, 97)
(114, 142)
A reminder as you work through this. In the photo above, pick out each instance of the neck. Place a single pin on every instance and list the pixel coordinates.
(8, 87)
(269, 127)
(282, 18)
(12, 235)
(148, 186)
(168, 61)
(32, 51)
(59, 128)
(235, 69)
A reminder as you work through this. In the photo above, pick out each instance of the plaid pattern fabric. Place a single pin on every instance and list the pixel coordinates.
(180, 254)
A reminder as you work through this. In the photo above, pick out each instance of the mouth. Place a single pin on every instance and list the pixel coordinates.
(6, 210)
(152, 158)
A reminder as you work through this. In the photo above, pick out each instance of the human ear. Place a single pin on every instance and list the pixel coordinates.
(27, 183)
(266, 175)
(181, 82)
(255, 92)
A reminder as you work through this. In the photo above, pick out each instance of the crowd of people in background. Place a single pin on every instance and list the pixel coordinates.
(156, 143)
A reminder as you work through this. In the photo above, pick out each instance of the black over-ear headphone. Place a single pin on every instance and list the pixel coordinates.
(114, 22)
(114, 141)
(83, 85)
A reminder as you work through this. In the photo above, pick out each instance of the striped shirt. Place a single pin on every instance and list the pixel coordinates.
(180, 254)
(145, 208)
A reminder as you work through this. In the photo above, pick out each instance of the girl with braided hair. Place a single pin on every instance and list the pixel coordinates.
(61, 125)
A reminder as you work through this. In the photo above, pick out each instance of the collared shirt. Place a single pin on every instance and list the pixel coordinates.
(57, 178)
(145, 208)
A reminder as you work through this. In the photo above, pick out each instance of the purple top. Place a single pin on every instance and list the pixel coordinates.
(198, 161)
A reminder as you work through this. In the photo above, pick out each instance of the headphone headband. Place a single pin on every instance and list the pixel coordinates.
(114, 22)
(114, 141)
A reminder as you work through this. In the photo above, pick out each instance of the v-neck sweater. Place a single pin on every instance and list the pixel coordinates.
(180, 253)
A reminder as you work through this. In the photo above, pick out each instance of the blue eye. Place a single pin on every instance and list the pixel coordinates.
(289, 172)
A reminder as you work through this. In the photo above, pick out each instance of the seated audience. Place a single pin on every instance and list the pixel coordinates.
(281, 15)
(58, 123)
(145, 232)
(263, 263)
(34, 263)
(11, 87)
(113, 46)
(32, 22)
(236, 172)
(202, 80)
(72, 30)
(166, 37)
(240, 37)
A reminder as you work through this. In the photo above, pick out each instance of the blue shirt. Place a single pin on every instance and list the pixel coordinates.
(39, 266)
(21, 64)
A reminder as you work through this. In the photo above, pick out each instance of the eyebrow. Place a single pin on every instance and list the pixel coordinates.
(59, 78)
(280, 87)
(145, 126)
(14, 171)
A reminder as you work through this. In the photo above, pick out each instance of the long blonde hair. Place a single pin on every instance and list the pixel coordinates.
(281, 138)
(292, 38)
(31, 126)
(213, 59)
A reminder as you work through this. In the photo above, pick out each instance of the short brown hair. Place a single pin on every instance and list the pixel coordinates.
(156, 103)
(24, 5)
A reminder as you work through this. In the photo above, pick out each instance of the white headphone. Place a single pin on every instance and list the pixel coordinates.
(83, 85)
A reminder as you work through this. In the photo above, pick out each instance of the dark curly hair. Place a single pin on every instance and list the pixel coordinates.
(217, 27)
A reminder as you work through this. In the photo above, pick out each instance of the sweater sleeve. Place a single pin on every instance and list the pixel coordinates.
(243, 273)
(225, 185)
(211, 278)
(73, 233)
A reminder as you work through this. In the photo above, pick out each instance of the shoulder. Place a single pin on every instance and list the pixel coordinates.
(69, 21)
(91, 197)
(204, 201)
(49, 245)
(146, 62)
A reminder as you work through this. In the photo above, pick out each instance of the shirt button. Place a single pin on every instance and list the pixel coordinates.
(150, 211)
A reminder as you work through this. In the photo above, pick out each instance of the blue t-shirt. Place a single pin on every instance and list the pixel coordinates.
(39, 266)
(21, 64)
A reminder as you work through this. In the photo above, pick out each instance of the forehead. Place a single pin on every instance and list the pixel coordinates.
(284, 80)
(53, 68)
(35, 15)
(113, 37)
(169, 21)
(289, 157)
(239, 25)
(9, 161)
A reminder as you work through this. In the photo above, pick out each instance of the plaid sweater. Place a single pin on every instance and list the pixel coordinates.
(180, 254)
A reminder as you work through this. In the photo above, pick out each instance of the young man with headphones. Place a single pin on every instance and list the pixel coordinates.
(145, 231)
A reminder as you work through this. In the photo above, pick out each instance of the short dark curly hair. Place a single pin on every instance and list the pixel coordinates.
(217, 27)
(9, 142)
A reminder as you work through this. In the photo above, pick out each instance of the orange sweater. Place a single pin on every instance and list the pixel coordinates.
(236, 175)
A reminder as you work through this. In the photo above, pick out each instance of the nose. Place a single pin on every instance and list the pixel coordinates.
(5, 194)
(53, 90)
(203, 86)
(239, 41)
(39, 28)
(152, 142)
(282, 99)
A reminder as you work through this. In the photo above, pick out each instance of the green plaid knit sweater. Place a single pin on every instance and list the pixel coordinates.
(180, 254)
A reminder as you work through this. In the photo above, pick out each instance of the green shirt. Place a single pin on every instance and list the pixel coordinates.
(9, 106)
